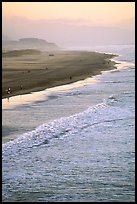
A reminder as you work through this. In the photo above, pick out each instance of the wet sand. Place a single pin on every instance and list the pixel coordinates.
(34, 72)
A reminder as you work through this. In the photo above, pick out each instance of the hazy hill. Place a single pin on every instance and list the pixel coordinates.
(5, 38)
(28, 43)
(70, 33)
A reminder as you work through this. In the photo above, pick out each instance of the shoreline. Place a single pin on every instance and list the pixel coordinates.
(26, 74)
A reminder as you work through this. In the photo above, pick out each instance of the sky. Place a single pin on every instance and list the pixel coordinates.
(94, 12)
(70, 23)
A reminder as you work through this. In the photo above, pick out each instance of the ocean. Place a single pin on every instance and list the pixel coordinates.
(74, 142)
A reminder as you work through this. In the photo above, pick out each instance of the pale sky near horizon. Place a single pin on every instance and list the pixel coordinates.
(94, 12)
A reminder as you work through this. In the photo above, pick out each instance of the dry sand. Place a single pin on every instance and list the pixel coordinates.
(35, 72)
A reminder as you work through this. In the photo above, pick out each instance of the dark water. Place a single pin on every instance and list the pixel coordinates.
(83, 146)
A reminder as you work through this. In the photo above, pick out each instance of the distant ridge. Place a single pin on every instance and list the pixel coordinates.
(28, 43)
(17, 53)
(70, 33)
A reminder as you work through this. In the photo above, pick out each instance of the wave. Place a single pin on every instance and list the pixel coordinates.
(101, 113)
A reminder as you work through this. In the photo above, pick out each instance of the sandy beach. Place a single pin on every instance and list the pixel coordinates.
(24, 73)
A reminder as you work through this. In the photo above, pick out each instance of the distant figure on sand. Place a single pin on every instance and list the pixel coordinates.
(70, 77)
(8, 91)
